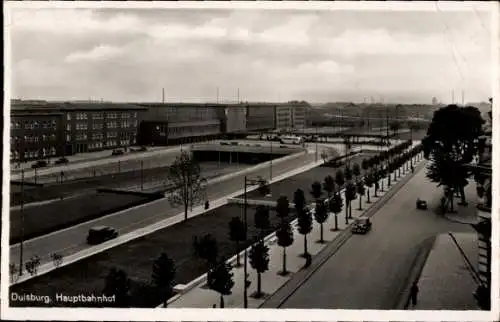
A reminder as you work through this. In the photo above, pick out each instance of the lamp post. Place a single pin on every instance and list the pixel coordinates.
(21, 244)
(263, 184)
(271, 162)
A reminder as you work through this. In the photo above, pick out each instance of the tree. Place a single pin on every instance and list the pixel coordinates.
(261, 219)
(117, 284)
(321, 215)
(304, 225)
(221, 280)
(348, 173)
(56, 259)
(237, 234)
(394, 126)
(259, 260)
(285, 239)
(282, 207)
(356, 171)
(365, 165)
(360, 189)
(329, 185)
(316, 191)
(163, 276)
(339, 179)
(206, 249)
(335, 205)
(369, 184)
(185, 175)
(350, 195)
(451, 142)
(32, 265)
(299, 200)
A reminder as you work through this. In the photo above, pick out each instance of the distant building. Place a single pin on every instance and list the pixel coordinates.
(260, 116)
(71, 128)
(434, 101)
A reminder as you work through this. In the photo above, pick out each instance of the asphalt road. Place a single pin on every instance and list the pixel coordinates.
(369, 271)
(71, 240)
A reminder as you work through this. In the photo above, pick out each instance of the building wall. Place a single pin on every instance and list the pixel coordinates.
(299, 117)
(283, 117)
(234, 119)
(260, 117)
(35, 135)
(95, 130)
(180, 130)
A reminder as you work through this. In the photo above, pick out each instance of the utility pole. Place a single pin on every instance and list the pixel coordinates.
(238, 96)
(21, 244)
(163, 95)
(217, 95)
(452, 96)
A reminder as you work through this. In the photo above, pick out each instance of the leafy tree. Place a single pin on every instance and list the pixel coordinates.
(339, 179)
(316, 191)
(350, 195)
(304, 225)
(329, 185)
(282, 207)
(185, 175)
(348, 173)
(164, 276)
(321, 215)
(356, 171)
(360, 187)
(118, 284)
(285, 239)
(365, 165)
(32, 265)
(299, 200)
(259, 260)
(335, 205)
(394, 127)
(221, 280)
(56, 259)
(450, 143)
(369, 184)
(237, 233)
(206, 249)
(262, 220)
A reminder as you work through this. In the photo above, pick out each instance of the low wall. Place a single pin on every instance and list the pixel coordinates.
(133, 193)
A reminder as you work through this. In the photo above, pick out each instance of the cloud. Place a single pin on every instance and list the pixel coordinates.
(101, 52)
(131, 54)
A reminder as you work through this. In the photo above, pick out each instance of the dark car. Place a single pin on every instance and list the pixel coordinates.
(117, 152)
(39, 164)
(100, 234)
(421, 204)
(62, 160)
(361, 225)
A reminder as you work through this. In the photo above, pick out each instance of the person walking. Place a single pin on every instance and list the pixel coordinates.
(414, 293)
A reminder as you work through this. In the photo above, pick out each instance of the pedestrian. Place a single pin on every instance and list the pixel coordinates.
(214, 306)
(414, 293)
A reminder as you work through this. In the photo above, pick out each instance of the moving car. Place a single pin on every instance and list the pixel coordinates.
(62, 160)
(291, 140)
(421, 204)
(100, 234)
(39, 164)
(117, 152)
(362, 225)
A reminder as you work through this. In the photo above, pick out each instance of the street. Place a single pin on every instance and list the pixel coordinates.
(71, 240)
(370, 271)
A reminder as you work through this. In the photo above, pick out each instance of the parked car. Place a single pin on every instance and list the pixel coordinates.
(117, 152)
(100, 234)
(421, 204)
(62, 160)
(361, 225)
(39, 164)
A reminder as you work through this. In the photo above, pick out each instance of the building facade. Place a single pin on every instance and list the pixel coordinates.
(35, 135)
(299, 116)
(234, 119)
(260, 117)
(49, 129)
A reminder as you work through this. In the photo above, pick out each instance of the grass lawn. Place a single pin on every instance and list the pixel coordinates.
(136, 257)
(43, 219)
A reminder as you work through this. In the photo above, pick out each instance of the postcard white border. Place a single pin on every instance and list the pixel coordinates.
(254, 314)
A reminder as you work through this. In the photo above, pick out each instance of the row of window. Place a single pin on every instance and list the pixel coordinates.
(100, 115)
(81, 126)
(33, 124)
(33, 154)
(98, 136)
(32, 138)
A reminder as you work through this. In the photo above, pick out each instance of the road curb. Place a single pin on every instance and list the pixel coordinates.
(327, 252)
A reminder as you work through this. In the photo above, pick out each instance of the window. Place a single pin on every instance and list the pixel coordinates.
(68, 116)
(68, 127)
(68, 137)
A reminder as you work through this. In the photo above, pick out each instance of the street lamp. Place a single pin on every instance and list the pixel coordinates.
(21, 244)
(264, 190)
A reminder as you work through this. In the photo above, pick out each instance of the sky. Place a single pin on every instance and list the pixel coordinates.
(269, 55)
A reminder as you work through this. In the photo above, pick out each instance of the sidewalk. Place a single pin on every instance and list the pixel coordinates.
(445, 282)
(197, 295)
(466, 215)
